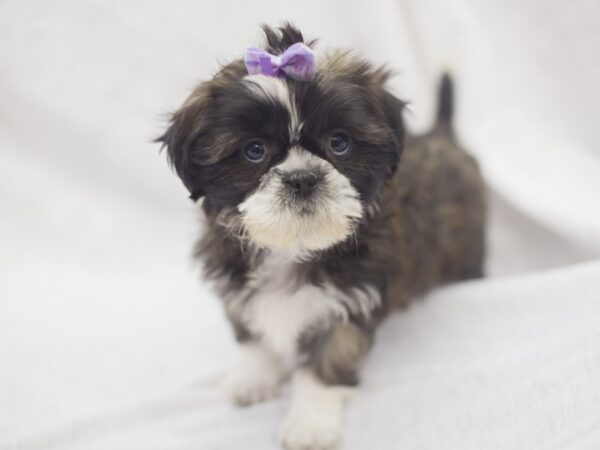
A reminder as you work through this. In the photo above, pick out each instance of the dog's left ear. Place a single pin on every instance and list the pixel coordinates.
(388, 106)
(391, 109)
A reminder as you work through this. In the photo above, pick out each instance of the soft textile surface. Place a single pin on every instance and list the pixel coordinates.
(108, 340)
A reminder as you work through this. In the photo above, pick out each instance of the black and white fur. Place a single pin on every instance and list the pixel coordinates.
(315, 230)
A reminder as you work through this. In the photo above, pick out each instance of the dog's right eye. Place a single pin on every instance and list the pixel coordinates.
(255, 151)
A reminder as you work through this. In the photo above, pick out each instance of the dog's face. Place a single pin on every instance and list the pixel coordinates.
(295, 164)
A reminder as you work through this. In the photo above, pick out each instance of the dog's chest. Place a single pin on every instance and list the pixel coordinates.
(279, 311)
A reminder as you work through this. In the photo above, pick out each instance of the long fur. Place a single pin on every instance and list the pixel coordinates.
(311, 276)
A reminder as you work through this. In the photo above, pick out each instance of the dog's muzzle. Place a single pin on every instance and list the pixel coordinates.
(302, 183)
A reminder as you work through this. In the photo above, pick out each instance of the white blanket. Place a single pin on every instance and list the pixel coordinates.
(108, 339)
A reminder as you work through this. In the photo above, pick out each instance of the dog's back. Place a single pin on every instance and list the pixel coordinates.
(437, 201)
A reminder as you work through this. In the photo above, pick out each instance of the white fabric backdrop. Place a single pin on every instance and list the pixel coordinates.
(108, 340)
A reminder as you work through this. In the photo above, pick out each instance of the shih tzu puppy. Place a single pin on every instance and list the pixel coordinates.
(322, 216)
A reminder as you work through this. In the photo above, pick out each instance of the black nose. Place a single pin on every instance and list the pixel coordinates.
(302, 182)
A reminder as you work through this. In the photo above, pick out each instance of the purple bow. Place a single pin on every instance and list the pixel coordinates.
(297, 62)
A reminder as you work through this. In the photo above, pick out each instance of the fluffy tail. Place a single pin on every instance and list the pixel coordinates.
(445, 101)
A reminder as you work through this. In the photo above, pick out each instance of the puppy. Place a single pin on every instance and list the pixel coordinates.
(315, 227)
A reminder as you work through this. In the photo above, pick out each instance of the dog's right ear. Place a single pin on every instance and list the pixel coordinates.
(190, 149)
(185, 130)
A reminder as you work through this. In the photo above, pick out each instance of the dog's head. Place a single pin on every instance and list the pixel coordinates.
(294, 163)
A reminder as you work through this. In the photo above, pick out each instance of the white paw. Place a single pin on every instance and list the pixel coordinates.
(314, 420)
(310, 433)
(244, 389)
(256, 375)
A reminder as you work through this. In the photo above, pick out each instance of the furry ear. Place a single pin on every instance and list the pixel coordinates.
(393, 109)
(390, 106)
(185, 128)
(189, 126)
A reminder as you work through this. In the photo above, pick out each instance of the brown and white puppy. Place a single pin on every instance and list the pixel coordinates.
(314, 228)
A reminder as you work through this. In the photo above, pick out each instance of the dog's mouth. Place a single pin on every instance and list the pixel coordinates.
(301, 207)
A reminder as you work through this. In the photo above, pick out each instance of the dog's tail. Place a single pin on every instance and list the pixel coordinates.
(445, 102)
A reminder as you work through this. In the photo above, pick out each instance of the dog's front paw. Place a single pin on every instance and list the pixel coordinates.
(255, 376)
(310, 433)
(314, 420)
(245, 389)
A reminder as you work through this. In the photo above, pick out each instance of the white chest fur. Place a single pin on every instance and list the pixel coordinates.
(279, 311)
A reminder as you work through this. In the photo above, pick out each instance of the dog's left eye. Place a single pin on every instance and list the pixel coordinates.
(339, 143)
(255, 151)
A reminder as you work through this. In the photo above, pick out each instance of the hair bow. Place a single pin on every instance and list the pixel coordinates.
(297, 62)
